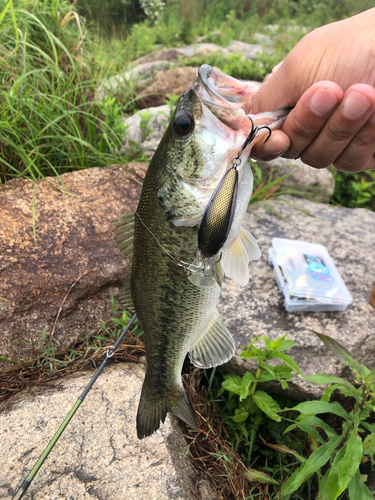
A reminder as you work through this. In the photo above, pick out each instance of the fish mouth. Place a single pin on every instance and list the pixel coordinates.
(223, 95)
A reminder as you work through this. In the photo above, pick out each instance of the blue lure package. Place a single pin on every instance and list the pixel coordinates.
(307, 276)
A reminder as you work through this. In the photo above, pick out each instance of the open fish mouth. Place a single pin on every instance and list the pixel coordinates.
(223, 95)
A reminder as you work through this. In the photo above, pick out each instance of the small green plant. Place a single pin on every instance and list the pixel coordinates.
(354, 190)
(236, 64)
(325, 459)
(252, 400)
(248, 408)
(171, 101)
(145, 124)
(343, 452)
(115, 127)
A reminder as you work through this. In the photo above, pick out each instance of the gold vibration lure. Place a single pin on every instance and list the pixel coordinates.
(218, 216)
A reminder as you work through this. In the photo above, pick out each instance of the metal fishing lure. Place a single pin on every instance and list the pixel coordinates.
(218, 216)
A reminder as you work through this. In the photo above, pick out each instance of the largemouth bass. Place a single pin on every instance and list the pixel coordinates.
(171, 292)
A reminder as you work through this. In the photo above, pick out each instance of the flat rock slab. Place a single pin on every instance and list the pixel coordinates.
(99, 455)
(258, 309)
(62, 282)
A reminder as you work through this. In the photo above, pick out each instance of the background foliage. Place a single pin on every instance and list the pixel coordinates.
(55, 55)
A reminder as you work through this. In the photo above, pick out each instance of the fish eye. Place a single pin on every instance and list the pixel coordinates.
(183, 124)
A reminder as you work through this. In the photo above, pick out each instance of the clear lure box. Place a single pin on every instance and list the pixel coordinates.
(307, 277)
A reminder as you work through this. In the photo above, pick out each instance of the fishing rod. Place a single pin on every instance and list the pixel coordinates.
(26, 483)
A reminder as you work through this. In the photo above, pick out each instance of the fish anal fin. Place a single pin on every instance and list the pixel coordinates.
(124, 297)
(240, 252)
(124, 234)
(214, 347)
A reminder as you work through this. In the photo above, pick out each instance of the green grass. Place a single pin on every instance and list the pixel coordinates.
(354, 190)
(51, 121)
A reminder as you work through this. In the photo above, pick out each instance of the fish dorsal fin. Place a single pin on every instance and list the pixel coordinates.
(241, 251)
(124, 297)
(124, 234)
(214, 347)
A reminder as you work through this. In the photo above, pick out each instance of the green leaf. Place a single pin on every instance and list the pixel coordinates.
(344, 386)
(253, 353)
(288, 361)
(369, 427)
(316, 407)
(267, 404)
(317, 422)
(258, 476)
(240, 415)
(324, 378)
(282, 371)
(332, 487)
(311, 431)
(7, 360)
(284, 449)
(341, 352)
(285, 344)
(316, 460)
(369, 445)
(322, 494)
(358, 490)
(233, 383)
(246, 382)
(265, 376)
(351, 461)
(343, 389)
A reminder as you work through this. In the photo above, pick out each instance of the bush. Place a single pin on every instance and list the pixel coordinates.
(50, 120)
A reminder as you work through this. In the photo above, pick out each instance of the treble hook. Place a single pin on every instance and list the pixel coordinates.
(218, 215)
(269, 132)
(253, 132)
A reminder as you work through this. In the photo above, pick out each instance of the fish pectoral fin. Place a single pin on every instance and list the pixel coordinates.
(124, 234)
(214, 347)
(241, 251)
(124, 297)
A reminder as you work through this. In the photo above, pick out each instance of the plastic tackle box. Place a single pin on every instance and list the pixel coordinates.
(307, 277)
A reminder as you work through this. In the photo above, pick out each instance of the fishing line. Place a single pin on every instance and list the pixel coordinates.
(26, 483)
(191, 268)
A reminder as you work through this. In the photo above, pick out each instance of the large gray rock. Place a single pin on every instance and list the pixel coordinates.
(140, 75)
(99, 454)
(61, 284)
(250, 51)
(319, 184)
(143, 70)
(173, 81)
(156, 119)
(258, 309)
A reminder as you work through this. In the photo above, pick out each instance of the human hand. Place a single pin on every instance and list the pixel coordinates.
(329, 78)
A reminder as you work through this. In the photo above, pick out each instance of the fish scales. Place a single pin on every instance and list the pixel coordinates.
(173, 313)
(176, 308)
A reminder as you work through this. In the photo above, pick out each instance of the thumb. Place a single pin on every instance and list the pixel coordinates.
(275, 93)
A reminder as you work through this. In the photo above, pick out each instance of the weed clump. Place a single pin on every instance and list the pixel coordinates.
(51, 121)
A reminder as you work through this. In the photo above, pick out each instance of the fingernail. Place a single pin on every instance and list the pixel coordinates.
(355, 105)
(323, 101)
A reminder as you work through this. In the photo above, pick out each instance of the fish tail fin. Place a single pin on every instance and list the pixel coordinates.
(153, 409)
